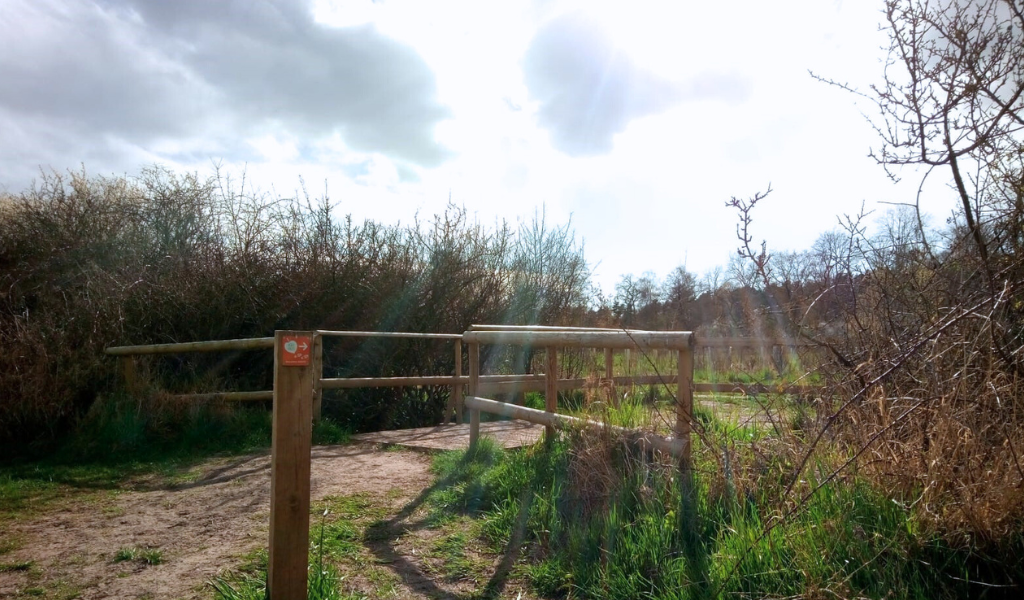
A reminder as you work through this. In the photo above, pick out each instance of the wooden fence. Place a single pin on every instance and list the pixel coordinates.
(488, 384)
(299, 384)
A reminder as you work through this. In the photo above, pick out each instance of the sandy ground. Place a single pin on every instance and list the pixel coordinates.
(510, 434)
(201, 528)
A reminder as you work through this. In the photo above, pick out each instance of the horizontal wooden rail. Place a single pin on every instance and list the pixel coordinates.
(505, 334)
(213, 346)
(477, 327)
(668, 380)
(391, 334)
(229, 396)
(537, 385)
(375, 382)
(534, 335)
(584, 339)
(510, 384)
(672, 446)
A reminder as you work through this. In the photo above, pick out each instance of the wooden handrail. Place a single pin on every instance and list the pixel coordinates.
(391, 334)
(674, 446)
(212, 346)
(676, 340)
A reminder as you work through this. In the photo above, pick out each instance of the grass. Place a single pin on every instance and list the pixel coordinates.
(450, 550)
(16, 566)
(249, 582)
(342, 526)
(146, 556)
(650, 536)
(742, 370)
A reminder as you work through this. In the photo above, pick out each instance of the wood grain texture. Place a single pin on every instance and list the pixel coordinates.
(648, 440)
(213, 346)
(391, 334)
(457, 386)
(289, 477)
(677, 340)
(551, 387)
(684, 406)
(474, 386)
(318, 373)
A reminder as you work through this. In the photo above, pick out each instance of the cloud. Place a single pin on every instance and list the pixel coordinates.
(149, 72)
(588, 90)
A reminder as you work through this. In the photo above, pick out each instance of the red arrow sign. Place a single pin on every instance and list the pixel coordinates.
(295, 350)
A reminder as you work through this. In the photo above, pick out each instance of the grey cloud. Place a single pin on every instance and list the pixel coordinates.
(29, 144)
(588, 91)
(148, 71)
(79, 67)
(378, 93)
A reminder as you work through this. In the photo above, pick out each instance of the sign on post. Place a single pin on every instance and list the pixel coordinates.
(296, 350)
(290, 465)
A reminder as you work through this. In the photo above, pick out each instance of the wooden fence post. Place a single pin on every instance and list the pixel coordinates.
(459, 402)
(290, 465)
(684, 406)
(609, 374)
(551, 388)
(474, 388)
(130, 373)
(318, 374)
(454, 405)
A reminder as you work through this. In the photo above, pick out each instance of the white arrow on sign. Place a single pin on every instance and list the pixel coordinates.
(305, 345)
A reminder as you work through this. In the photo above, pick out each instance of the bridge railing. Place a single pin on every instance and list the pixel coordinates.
(128, 357)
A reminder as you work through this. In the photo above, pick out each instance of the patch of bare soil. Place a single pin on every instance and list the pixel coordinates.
(199, 527)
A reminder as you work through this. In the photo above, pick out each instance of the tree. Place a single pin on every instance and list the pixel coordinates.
(680, 293)
(952, 97)
(626, 302)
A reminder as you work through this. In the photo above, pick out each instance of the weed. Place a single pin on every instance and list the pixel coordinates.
(339, 539)
(146, 556)
(450, 550)
(385, 582)
(9, 544)
(118, 427)
(335, 538)
(327, 432)
(17, 566)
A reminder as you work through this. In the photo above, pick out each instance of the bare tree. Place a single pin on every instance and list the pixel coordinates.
(679, 294)
(952, 97)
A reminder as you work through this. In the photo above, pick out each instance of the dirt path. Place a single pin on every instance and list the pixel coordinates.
(200, 528)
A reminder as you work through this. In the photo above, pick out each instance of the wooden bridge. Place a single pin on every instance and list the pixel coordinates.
(298, 393)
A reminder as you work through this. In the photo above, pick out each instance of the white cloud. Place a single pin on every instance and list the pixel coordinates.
(396, 104)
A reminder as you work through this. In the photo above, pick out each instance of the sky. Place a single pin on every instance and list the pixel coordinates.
(635, 121)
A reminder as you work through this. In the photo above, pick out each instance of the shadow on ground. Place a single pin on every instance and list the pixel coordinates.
(382, 540)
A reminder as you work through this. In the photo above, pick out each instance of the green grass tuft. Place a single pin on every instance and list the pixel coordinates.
(328, 433)
(146, 556)
(335, 537)
(17, 566)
